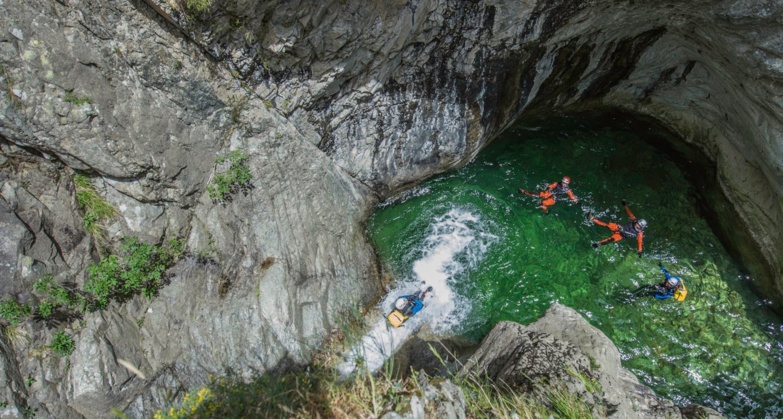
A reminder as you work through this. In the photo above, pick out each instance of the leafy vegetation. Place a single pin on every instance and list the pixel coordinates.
(13, 311)
(191, 403)
(55, 298)
(237, 177)
(139, 268)
(62, 344)
(198, 6)
(96, 210)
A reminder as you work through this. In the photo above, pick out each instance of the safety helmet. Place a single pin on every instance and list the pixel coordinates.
(566, 180)
(642, 223)
(401, 303)
(673, 281)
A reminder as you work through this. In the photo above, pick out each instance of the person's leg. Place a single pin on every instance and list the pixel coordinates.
(616, 237)
(547, 203)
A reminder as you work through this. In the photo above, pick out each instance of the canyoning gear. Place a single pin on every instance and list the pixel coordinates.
(396, 318)
(681, 292)
(401, 303)
(553, 192)
(627, 231)
(406, 306)
(672, 286)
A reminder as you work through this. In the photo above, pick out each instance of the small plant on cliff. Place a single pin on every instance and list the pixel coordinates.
(96, 210)
(139, 268)
(236, 177)
(13, 311)
(198, 6)
(56, 297)
(192, 403)
(62, 344)
(70, 97)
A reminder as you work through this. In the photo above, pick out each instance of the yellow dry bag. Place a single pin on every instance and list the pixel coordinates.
(396, 318)
(681, 292)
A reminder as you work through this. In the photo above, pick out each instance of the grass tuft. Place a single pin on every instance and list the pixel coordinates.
(70, 97)
(96, 210)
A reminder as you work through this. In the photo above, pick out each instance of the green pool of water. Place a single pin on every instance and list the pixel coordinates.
(720, 347)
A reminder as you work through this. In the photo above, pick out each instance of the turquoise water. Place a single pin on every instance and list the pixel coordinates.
(720, 347)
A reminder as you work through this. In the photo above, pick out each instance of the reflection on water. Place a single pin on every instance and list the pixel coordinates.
(720, 347)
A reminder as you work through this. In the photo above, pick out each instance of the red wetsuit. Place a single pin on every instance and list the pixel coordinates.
(620, 231)
(554, 191)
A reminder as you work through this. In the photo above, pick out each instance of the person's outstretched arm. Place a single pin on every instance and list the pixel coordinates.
(572, 196)
(628, 211)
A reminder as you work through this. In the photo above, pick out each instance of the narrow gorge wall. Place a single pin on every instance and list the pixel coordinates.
(336, 103)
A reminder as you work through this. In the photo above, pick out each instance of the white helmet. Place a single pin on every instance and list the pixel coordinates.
(642, 223)
(674, 281)
(401, 303)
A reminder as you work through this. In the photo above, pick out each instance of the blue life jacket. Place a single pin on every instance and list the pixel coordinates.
(414, 305)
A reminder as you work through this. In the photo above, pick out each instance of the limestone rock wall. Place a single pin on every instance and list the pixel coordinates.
(336, 103)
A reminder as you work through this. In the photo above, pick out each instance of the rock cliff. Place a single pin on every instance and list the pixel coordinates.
(336, 103)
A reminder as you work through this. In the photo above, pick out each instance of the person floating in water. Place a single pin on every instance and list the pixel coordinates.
(553, 191)
(634, 229)
(665, 289)
(409, 305)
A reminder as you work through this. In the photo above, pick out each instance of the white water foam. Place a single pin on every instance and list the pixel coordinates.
(456, 241)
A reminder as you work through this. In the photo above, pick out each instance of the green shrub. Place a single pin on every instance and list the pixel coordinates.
(45, 309)
(62, 344)
(139, 268)
(198, 6)
(57, 297)
(144, 267)
(14, 312)
(104, 279)
(237, 177)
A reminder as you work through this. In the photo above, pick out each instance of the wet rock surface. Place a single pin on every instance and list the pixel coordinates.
(336, 104)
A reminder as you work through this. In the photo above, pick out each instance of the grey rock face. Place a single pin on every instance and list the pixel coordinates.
(334, 102)
(106, 88)
(555, 351)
